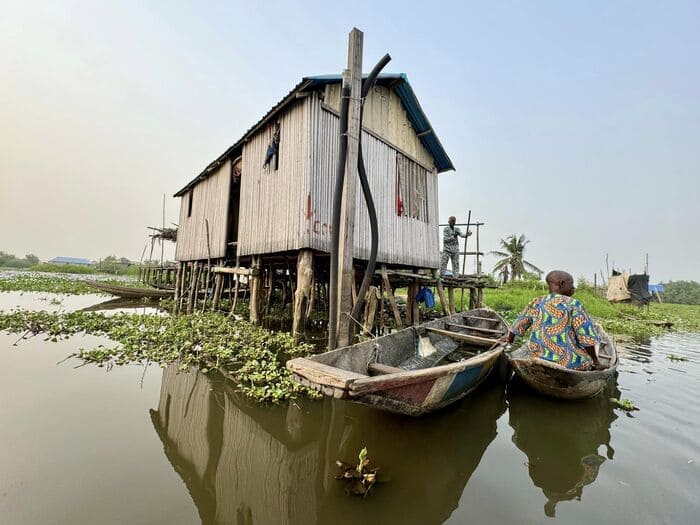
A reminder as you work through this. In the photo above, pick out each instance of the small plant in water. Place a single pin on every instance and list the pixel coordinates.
(359, 478)
(624, 404)
(675, 357)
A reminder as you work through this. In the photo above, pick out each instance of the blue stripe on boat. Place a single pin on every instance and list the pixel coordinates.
(463, 381)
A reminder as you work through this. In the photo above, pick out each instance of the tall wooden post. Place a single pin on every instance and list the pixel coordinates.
(255, 284)
(352, 77)
(304, 291)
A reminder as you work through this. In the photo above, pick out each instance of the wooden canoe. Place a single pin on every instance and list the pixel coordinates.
(556, 381)
(375, 372)
(129, 292)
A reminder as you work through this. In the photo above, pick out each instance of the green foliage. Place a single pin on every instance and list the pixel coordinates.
(624, 404)
(52, 284)
(682, 292)
(62, 268)
(512, 262)
(252, 356)
(8, 260)
(620, 319)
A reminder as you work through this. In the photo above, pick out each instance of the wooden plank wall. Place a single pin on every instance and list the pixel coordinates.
(274, 202)
(384, 114)
(210, 202)
(402, 240)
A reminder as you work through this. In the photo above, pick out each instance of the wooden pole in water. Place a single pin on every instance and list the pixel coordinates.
(304, 291)
(176, 293)
(255, 285)
(352, 78)
(218, 285)
(194, 278)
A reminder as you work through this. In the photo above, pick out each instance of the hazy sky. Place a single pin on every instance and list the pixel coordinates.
(575, 123)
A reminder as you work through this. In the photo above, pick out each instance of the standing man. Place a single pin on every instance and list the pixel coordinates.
(450, 246)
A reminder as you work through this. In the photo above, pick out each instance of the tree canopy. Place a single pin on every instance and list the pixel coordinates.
(512, 263)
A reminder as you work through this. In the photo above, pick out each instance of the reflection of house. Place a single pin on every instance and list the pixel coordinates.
(71, 260)
(245, 463)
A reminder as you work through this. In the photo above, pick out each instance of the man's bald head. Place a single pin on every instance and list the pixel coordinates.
(560, 282)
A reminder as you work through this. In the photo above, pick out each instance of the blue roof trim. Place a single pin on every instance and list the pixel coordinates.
(415, 113)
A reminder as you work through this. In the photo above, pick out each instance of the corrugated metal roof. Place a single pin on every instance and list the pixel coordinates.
(397, 81)
(70, 260)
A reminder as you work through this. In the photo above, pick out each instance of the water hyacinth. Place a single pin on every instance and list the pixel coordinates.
(250, 355)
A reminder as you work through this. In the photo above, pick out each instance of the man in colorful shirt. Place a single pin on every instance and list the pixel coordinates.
(561, 330)
(450, 246)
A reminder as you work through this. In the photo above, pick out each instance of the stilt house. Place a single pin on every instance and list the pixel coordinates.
(270, 193)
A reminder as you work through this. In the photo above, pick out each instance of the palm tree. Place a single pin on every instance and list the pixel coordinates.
(512, 259)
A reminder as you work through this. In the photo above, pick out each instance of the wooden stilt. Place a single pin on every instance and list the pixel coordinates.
(304, 290)
(176, 293)
(373, 297)
(392, 299)
(451, 298)
(441, 293)
(218, 286)
(255, 285)
(194, 278)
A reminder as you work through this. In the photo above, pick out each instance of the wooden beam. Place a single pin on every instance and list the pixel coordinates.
(473, 339)
(352, 77)
(236, 271)
(475, 328)
(380, 369)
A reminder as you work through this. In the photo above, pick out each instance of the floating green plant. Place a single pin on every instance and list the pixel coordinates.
(250, 355)
(676, 357)
(624, 404)
(360, 478)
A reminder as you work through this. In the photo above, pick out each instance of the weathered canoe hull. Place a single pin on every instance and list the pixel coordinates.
(129, 292)
(410, 392)
(556, 381)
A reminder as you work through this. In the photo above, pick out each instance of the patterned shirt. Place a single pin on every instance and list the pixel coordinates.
(449, 239)
(560, 330)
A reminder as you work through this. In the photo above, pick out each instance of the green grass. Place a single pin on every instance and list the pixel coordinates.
(61, 268)
(619, 319)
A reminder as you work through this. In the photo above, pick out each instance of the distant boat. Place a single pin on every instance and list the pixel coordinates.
(562, 383)
(411, 371)
(130, 292)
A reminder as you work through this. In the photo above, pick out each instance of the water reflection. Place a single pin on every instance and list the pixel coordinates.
(245, 464)
(562, 440)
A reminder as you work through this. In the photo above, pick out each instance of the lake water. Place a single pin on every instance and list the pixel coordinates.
(150, 446)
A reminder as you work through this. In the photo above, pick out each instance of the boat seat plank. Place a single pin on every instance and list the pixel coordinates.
(473, 339)
(476, 328)
(323, 374)
(476, 317)
(379, 368)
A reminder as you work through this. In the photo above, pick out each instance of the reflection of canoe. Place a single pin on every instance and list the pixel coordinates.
(411, 371)
(556, 381)
(120, 303)
(129, 291)
(566, 444)
(246, 463)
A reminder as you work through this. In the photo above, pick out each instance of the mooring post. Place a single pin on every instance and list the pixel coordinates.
(352, 77)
